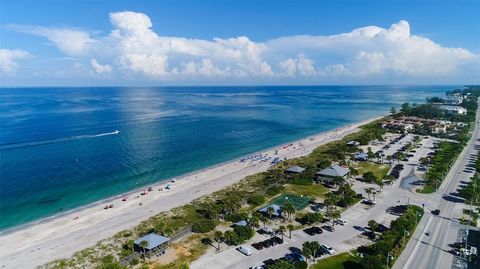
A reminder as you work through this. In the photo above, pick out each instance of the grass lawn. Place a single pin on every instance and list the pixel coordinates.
(314, 190)
(379, 170)
(340, 261)
(427, 189)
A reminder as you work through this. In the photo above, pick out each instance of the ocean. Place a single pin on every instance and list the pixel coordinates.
(62, 148)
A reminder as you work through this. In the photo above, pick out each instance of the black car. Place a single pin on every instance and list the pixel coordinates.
(313, 231)
(258, 246)
(267, 243)
(328, 228)
(436, 212)
(277, 240)
(269, 262)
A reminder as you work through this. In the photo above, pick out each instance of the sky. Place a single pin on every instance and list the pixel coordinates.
(238, 42)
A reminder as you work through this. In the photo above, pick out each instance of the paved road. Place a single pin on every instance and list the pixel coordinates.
(431, 252)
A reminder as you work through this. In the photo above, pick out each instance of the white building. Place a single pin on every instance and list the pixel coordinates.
(453, 99)
(453, 109)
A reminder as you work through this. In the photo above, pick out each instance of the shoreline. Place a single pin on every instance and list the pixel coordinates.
(72, 211)
(94, 223)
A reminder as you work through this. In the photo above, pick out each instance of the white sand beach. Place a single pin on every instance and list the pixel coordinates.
(61, 236)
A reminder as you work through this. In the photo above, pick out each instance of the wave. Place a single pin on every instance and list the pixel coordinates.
(24, 144)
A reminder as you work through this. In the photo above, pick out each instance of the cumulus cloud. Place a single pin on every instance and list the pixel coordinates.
(100, 69)
(8, 58)
(367, 53)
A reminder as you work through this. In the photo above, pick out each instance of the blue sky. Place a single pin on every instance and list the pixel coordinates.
(239, 42)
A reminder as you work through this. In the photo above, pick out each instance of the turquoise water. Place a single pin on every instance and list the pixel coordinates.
(58, 149)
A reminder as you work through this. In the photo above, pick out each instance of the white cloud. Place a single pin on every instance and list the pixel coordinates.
(8, 58)
(70, 41)
(100, 69)
(366, 53)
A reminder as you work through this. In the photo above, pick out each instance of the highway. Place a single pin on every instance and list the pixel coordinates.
(431, 252)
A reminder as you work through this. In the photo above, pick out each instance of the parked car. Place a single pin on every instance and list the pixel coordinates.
(368, 202)
(341, 222)
(313, 230)
(436, 212)
(327, 249)
(258, 246)
(295, 257)
(328, 228)
(244, 250)
(276, 240)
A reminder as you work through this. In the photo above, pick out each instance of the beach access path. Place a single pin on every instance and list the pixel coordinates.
(61, 236)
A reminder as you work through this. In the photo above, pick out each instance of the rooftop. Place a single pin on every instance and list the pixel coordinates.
(295, 169)
(334, 171)
(153, 239)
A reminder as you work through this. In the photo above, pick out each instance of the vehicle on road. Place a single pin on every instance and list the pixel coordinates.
(327, 249)
(328, 228)
(368, 202)
(341, 222)
(436, 212)
(244, 250)
(313, 230)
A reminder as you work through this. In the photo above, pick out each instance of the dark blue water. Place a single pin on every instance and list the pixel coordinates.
(58, 150)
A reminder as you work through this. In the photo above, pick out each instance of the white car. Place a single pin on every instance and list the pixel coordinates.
(327, 249)
(341, 222)
(245, 250)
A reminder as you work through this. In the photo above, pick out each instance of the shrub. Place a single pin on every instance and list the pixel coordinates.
(301, 265)
(235, 217)
(369, 177)
(203, 226)
(311, 218)
(274, 190)
(256, 200)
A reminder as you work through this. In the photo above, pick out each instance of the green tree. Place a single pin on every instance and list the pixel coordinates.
(282, 230)
(143, 245)
(217, 236)
(373, 225)
(290, 228)
(369, 177)
(289, 209)
(270, 211)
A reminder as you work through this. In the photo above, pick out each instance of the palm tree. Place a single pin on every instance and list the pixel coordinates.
(282, 230)
(381, 184)
(270, 212)
(353, 172)
(254, 221)
(314, 246)
(289, 209)
(335, 215)
(389, 158)
(217, 236)
(373, 193)
(228, 235)
(368, 191)
(290, 227)
(143, 245)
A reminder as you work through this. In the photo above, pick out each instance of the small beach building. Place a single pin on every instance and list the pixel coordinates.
(155, 244)
(361, 156)
(353, 143)
(277, 210)
(294, 170)
(328, 174)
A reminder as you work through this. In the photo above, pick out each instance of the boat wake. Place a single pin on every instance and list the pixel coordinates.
(17, 145)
